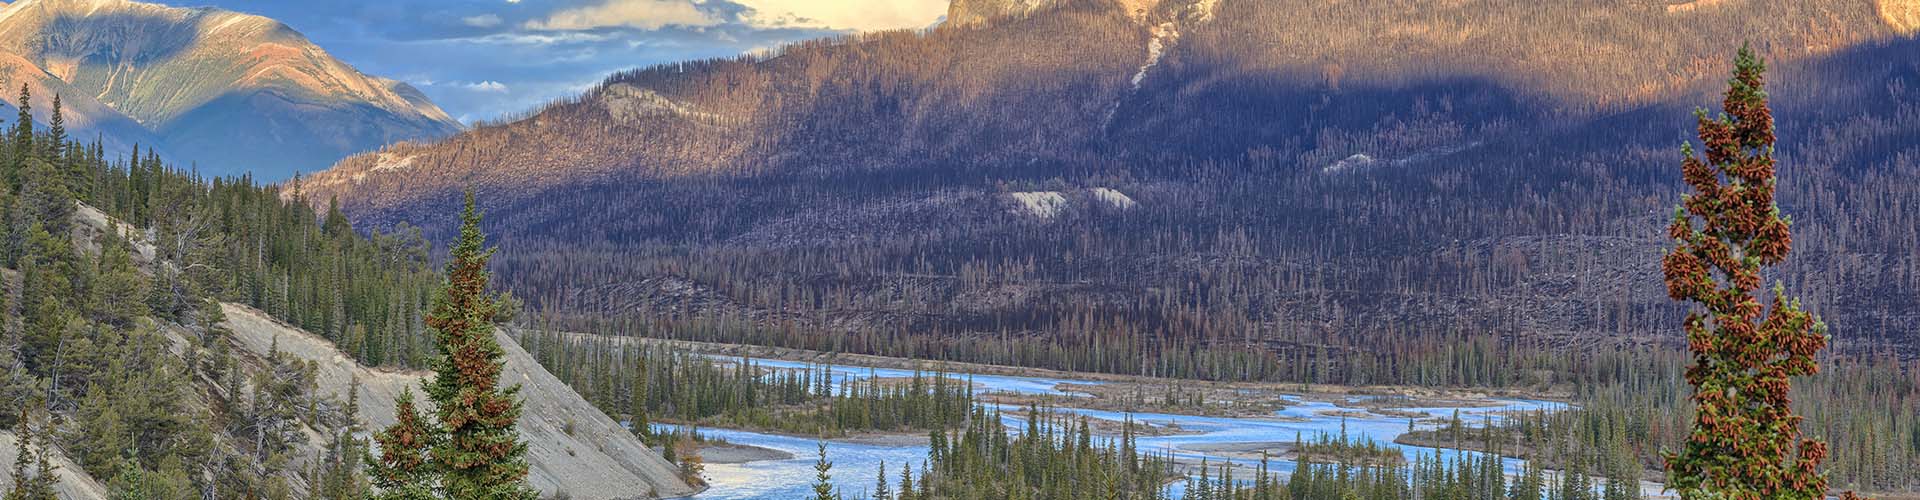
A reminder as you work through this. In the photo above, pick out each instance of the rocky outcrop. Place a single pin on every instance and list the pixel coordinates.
(973, 12)
(573, 448)
(962, 13)
(1902, 15)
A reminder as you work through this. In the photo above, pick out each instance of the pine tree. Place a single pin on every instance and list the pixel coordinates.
(482, 456)
(907, 491)
(56, 142)
(130, 483)
(22, 137)
(37, 484)
(404, 470)
(882, 489)
(823, 476)
(1746, 439)
(54, 150)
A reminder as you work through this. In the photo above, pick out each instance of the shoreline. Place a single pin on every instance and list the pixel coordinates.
(1097, 390)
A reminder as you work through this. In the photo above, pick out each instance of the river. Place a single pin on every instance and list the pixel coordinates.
(855, 463)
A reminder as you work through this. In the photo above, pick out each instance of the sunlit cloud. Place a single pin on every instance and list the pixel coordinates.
(533, 52)
(637, 14)
(488, 86)
(853, 15)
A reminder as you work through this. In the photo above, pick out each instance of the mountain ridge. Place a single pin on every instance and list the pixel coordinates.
(1519, 162)
(231, 91)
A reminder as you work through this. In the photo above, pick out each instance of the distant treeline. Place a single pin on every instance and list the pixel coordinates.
(657, 383)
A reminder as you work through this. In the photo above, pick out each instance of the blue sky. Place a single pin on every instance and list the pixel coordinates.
(481, 59)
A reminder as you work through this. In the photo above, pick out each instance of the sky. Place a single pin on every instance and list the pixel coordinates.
(488, 59)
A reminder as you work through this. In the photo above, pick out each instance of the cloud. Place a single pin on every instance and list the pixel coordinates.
(488, 86)
(638, 14)
(540, 39)
(856, 15)
(481, 21)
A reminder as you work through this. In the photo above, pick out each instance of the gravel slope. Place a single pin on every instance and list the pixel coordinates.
(598, 460)
(74, 483)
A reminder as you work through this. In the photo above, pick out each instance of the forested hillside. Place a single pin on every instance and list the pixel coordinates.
(1345, 183)
(115, 347)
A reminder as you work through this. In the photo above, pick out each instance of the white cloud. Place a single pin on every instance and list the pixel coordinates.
(481, 21)
(857, 15)
(542, 38)
(488, 86)
(639, 14)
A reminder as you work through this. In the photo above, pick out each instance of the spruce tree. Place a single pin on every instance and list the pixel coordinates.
(37, 483)
(1746, 440)
(823, 476)
(404, 470)
(22, 138)
(56, 142)
(482, 456)
(882, 489)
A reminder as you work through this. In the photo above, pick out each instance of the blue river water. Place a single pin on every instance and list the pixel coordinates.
(855, 463)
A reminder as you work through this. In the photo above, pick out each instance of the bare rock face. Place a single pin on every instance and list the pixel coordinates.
(1902, 15)
(572, 447)
(963, 13)
(973, 12)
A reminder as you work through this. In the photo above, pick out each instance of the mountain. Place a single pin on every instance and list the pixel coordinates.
(1034, 178)
(86, 118)
(232, 92)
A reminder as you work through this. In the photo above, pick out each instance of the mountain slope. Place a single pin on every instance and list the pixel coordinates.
(231, 91)
(74, 482)
(572, 448)
(86, 118)
(1377, 176)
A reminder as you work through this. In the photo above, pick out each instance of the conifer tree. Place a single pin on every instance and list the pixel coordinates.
(404, 470)
(882, 489)
(482, 456)
(823, 476)
(22, 137)
(1745, 442)
(56, 132)
(130, 483)
(38, 483)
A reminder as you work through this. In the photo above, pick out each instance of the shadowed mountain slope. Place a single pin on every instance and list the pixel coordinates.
(1296, 175)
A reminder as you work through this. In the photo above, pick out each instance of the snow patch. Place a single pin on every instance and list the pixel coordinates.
(1163, 35)
(628, 103)
(1350, 163)
(1042, 204)
(1161, 38)
(1115, 197)
(384, 162)
(389, 162)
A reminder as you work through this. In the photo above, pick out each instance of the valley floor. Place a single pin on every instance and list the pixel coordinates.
(1193, 421)
(1127, 393)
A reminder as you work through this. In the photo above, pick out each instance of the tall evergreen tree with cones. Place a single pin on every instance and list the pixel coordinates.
(403, 470)
(482, 455)
(1746, 440)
